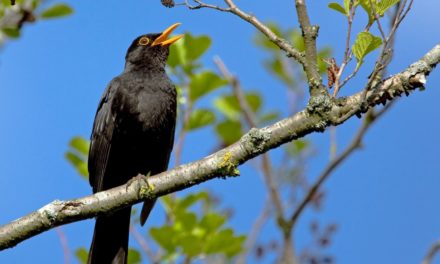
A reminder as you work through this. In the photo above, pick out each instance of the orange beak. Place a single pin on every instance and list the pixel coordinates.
(163, 38)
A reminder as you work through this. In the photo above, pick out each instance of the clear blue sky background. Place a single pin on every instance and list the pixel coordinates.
(384, 198)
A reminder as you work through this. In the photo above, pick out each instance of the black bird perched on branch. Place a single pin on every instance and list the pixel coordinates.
(133, 133)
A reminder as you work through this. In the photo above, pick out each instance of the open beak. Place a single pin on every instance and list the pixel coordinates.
(163, 38)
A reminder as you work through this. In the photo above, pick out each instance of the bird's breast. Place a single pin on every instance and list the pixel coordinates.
(147, 111)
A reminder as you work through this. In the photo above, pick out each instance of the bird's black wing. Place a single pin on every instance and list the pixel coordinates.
(101, 138)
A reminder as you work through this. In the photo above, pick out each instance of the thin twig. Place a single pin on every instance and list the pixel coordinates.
(277, 40)
(347, 53)
(354, 145)
(255, 231)
(377, 19)
(238, 92)
(350, 76)
(143, 244)
(200, 4)
(64, 244)
(368, 120)
(266, 164)
(435, 248)
(383, 60)
(182, 136)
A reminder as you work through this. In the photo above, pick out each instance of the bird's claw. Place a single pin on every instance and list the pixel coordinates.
(135, 179)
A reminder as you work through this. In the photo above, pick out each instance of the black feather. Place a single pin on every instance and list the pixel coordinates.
(133, 134)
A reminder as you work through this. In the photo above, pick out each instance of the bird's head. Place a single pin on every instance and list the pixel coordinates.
(151, 50)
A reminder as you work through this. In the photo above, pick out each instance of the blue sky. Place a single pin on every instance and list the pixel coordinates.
(384, 198)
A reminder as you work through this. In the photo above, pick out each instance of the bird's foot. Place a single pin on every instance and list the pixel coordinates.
(137, 179)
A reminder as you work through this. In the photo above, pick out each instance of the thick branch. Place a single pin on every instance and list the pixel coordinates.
(222, 163)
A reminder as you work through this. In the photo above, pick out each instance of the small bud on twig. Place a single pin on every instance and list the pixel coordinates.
(168, 3)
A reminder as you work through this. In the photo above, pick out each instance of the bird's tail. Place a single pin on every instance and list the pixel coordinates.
(110, 238)
(146, 210)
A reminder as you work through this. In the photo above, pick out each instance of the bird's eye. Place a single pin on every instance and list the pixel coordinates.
(144, 41)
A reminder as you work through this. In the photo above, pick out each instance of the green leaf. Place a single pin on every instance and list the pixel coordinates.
(189, 235)
(235, 246)
(322, 54)
(164, 237)
(134, 257)
(168, 202)
(347, 6)
(366, 5)
(11, 32)
(229, 131)
(57, 10)
(78, 163)
(225, 242)
(81, 254)
(77, 155)
(191, 245)
(200, 118)
(191, 199)
(384, 5)
(229, 106)
(268, 117)
(203, 83)
(188, 220)
(254, 101)
(196, 46)
(277, 67)
(338, 7)
(211, 222)
(186, 52)
(80, 144)
(6, 3)
(296, 147)
(297, 40)
(364, 44)
(177, 54)
(264, 42)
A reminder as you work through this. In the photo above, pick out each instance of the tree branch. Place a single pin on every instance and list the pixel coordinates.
(435, 248)
(356, 143)
(252, 237)
(249, 116)
(310, 33)
(143, 244)
(315, 118)
(277, 40)
(64, 245)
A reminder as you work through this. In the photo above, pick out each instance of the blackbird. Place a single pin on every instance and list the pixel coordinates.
(133, 133)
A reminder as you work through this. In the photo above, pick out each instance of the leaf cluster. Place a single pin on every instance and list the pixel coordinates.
(14, 15)
(195, 235)
(365, 42)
